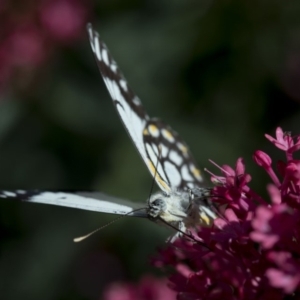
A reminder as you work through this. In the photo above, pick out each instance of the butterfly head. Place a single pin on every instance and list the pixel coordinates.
(171, 208)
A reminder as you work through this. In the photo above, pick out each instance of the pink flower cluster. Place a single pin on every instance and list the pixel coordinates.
(32, 30)
(253, 248)
(147, 289)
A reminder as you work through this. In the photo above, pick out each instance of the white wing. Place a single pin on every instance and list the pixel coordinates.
(93, 201)
(164, 153)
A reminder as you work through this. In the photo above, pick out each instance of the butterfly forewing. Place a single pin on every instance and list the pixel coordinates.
(176, 162)
(164, 152)
(126, 102)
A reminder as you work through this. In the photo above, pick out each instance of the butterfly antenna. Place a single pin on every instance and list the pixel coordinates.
(155, 172)
(81, 238)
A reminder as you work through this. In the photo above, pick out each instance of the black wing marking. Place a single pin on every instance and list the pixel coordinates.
(177, 164)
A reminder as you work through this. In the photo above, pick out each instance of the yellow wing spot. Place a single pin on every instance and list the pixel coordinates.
(153, 130)
(158, 179)
(145, 131)
(168, 135)
(205, 218)
(182, 148)
(196, 172)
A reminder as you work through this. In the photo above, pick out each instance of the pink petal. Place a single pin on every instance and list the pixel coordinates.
(274, 194)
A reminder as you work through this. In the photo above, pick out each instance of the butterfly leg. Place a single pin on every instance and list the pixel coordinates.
(180, 233)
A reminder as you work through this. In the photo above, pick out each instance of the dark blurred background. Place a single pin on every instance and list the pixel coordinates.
(221, 73)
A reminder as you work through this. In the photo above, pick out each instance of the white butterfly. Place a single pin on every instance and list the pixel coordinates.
(182, 202)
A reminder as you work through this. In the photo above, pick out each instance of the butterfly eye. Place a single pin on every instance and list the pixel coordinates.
(158, 203)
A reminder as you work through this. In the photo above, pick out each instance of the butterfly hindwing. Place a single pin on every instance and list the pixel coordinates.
(92, 201)
(173, 165)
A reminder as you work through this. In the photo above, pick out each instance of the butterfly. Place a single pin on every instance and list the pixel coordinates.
(182, 200)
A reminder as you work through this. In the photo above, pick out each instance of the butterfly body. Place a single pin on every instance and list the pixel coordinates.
(189, 208)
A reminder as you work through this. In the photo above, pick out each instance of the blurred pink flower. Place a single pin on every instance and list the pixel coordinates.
(287, 274)
(29, 35)
(271, 224)
(253, 249)
(26, 47)
(147, 289)
(22, 48)
(64, 20)
(5, 65)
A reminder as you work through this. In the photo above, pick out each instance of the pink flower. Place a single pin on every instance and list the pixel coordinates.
(22, 50)
(263, 160)
(287, 274)
(64, 20)
(148, 289)
(253, 249)
(284, 141)
(5, 65)
(233, 189)
(26, 46)
(271, 224)
(30, 35)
